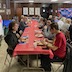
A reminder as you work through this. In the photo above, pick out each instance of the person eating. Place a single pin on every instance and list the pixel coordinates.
(58, 47)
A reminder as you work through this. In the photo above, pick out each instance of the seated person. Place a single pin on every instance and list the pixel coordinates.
(46, 30)
(58, 47)
(22, 25)
(66, 26)
(60, 23)
(11, 38)
(42, 24)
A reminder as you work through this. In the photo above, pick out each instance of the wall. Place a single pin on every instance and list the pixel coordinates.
(2, 9)
(19, 6)
(4, 14)
(61, 5)
(53, 6)
(16, 9)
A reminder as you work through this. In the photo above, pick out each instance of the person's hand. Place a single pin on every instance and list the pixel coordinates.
(44, 42)
(20, 31)
(42, 33)
(45, 27)
(18, 36)
(22, 39)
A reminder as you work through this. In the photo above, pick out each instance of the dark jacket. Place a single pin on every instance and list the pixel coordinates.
(12, 40)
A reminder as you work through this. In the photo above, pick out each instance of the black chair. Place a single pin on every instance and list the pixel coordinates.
(64, 60)
(9, 58)
(68, 59)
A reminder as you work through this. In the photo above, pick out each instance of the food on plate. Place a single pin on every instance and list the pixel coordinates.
(38, 31)
(38, 42)
(39, 35)
(24, 39)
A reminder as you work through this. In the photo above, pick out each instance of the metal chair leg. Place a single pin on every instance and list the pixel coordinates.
(5, 59)
(52, 69)
(59, 67)
(9, 64)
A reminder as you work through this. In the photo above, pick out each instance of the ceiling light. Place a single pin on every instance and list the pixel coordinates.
(67, 2)
(54, 0)
(31, 1)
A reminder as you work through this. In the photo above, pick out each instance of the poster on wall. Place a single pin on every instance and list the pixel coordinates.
(4, 6)
(31, 11)
(37, 11)
(8, 11)
(25, 10)
(2, 11)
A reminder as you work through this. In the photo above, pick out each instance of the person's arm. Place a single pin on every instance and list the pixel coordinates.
(51, 46)
(50, 41)
(55, 46)
(25, 25)
(57, 43)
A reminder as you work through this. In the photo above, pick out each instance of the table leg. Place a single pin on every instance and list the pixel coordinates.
(37, 61)
(27, 61)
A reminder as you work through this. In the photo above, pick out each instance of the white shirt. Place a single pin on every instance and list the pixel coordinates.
(65, 27)
(60, 24)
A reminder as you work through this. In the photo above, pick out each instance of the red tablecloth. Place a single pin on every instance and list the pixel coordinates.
(28, 48)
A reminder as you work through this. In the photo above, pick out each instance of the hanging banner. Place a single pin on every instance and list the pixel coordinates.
(66, 12)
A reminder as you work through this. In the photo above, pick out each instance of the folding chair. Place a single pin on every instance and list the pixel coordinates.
(68, 60)
(62, 63)
(10, 61)
(57, 63)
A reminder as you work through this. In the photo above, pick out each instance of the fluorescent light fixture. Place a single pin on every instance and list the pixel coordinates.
(31, 1)
(67, 2)
(54, 0)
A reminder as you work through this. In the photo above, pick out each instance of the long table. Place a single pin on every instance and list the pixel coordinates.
(28, 48)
